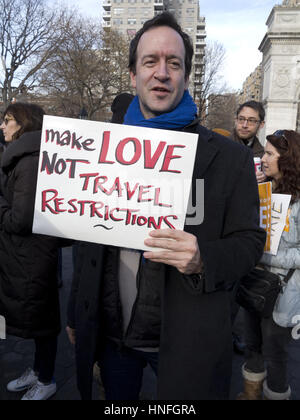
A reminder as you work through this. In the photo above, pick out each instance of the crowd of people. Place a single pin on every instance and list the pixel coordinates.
(172, 308)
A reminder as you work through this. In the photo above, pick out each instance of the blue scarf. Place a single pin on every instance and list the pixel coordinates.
(181, 116)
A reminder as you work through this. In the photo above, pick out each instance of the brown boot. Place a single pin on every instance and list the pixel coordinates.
(253, 386)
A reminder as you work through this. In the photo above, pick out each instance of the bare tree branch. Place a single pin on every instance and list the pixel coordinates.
(213, 83)
(29, 34)
(87, 71)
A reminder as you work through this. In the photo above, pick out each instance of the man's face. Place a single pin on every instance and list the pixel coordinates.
(159, 79)
(247, 123)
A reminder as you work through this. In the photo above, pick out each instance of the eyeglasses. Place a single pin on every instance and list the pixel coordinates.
(6, 120)
(250, 121)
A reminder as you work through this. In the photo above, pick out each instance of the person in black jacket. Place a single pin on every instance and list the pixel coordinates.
(119, 107)
(28, 263)
(250, 118)
(170, 309)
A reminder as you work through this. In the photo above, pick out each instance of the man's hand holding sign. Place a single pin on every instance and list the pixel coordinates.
(180, 249)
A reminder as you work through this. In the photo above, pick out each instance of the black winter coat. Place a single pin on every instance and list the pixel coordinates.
(28, 263)
(196, 344)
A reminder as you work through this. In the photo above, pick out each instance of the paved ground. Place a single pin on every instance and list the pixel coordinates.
(17, 354)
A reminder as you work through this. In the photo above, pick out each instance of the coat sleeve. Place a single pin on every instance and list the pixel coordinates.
(240, 247)
(285, 258)
(78, 249)
(288, 257)
(17, 217)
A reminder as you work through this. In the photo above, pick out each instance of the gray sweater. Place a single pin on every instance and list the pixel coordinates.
(288, 255)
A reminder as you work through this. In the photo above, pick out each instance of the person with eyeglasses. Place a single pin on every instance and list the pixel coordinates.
(28, 263)
(249, 120)
(265, 368)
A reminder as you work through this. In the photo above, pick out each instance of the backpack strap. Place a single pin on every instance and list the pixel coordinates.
(289, 275)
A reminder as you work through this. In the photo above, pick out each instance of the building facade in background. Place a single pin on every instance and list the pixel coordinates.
(252, 87)
(128, 16)
(281, 69)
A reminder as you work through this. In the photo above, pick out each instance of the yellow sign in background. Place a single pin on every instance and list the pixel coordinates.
(265, 196)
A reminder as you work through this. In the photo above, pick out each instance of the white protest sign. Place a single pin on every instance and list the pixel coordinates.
(111, 184)
(280, 206)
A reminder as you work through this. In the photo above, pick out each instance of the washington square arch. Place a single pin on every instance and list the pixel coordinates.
(281, 68)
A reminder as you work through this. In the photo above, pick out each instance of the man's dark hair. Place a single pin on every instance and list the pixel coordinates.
(163, 19)
(257, 106)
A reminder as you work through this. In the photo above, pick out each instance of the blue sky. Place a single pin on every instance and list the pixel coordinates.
(239, 25)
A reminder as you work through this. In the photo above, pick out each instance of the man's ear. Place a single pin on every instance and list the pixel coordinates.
(133, 79)
(187, 83)
(262, 124)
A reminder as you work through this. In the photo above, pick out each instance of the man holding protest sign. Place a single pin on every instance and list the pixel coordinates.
(171, 307)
